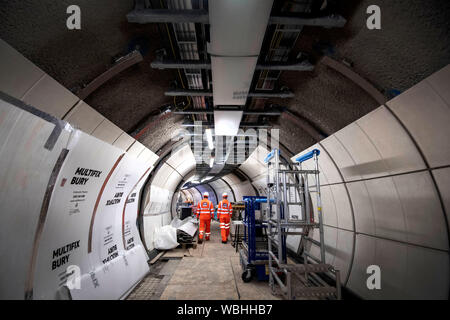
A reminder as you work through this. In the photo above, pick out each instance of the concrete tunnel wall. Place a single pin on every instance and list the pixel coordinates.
(55, 212)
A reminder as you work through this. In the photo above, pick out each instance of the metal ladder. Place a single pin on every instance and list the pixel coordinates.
(288, 189)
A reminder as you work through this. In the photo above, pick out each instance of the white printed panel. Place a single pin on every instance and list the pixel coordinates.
(25, 170)
(130, 213)
(64, 240)
(107, 231)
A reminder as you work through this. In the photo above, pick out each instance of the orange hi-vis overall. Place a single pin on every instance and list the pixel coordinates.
(205, 211)
(224, 212)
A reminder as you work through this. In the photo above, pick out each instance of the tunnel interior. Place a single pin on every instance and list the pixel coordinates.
(105, 130)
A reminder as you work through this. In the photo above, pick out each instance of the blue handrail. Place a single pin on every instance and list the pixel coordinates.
(271, 155)
(307, 156)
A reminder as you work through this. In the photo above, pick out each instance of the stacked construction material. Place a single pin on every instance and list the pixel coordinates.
(186, 229)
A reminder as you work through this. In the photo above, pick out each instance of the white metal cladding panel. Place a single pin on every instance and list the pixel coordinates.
(231, 179)
(331, 240)
(388, 213)
(107, 131)
(50, 97)
(185, 167)
(25, 168)
(365, 249)
(442, 177)
(362, 206)
(344, 252)
(83, 117)
(124, 141)
(151, 223)
(197, 196)
(425, 221)
(148, 157)
(18, 74)
(162, 175)
(206, 188)
(180, 157)
(392, 141)
(343, 207)
(368, 161)
(252, 167)
(260, 184)
(341, 157)
(218, 184)
(136, 148)
(173, 181)
(293, 241)
(440, 81)
(237, 27)
(220, 187)
(243, 189)
(427, 274)
(426, 115)
(407, 271)
(329, 207)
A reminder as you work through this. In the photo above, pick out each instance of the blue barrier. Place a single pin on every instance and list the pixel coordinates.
(270, 155)
(307, 156)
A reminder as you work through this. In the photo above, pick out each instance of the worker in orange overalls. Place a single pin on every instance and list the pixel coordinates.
(205, 211)
(224, 212)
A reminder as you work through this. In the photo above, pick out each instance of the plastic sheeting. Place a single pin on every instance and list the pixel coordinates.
(166, 238)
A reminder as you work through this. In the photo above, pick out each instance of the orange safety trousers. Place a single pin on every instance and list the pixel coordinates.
(225, 227)
(205, 227)
(205, 211)
(224, 211)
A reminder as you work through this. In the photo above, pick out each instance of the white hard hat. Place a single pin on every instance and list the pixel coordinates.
(224, 194)
(205, 194)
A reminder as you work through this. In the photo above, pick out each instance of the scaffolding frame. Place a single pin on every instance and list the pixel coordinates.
(287, 188)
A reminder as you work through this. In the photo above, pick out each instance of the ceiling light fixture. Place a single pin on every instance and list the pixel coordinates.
(209, 138)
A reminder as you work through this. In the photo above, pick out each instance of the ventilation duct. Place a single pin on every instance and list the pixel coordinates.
(237, 31)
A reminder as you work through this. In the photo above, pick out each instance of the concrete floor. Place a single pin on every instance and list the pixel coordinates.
(210, 272)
